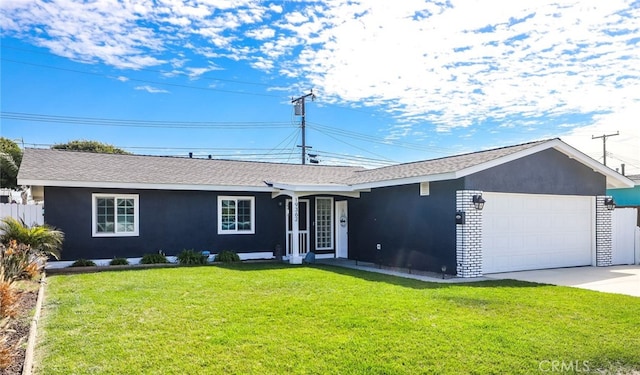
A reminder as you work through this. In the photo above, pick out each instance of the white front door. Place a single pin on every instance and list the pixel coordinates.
(342, 229)
(303, 226)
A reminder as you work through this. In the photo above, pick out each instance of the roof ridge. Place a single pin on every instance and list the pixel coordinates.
(459, 155)
(193, 158)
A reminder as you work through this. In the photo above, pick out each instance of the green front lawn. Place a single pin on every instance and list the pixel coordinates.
(271, 318)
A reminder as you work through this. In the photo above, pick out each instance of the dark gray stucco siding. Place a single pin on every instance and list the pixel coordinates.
(414, 231)
(169, 221)
(545, 172)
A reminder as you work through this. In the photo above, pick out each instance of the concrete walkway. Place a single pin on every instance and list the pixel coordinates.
(615, 279)
(431, 277)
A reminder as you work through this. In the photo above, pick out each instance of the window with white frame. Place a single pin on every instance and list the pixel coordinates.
(324, 223)
(236, 215)
(115, 215)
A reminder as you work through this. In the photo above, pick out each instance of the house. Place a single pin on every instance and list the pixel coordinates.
(543, 207)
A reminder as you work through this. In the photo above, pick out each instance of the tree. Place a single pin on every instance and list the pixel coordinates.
(89, 146)
(10, 158)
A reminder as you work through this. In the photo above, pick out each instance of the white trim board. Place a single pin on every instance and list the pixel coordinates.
(260, 255)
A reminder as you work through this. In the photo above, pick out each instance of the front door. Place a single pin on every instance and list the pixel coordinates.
(303, 226)
(342, 229)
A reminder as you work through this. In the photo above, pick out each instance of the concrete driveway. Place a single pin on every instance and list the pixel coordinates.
(615, 279)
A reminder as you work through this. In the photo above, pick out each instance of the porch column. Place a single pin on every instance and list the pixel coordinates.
(295, 257)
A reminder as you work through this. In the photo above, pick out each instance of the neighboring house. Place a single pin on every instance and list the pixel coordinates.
(544, 208)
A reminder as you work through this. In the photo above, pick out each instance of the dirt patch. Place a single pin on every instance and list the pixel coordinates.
(17, 331)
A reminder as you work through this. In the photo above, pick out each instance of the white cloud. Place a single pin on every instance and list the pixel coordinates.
(438, 67)
(276, 8)
(122, 78)
(295, 18)
(262, 33)
(194, 73)
(151, 89)
(524, 64)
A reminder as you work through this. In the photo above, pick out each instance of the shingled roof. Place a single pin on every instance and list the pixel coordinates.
(72, 166)
(436, 166)
(46, 167)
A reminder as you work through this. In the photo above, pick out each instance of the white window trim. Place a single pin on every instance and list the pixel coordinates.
(136, 215)
(236, 198)
(331, 219)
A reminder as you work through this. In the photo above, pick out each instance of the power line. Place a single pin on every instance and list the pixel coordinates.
(93, 121)
(378, 140)
(354, 158)
(604, 145)
(284, 154)
(356, 147)
(143, 80)
(153, 70)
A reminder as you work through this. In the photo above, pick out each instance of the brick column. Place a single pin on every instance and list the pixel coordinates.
(603, 233)
(468, 236)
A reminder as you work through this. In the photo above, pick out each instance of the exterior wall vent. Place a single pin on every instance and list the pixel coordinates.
(424, 188)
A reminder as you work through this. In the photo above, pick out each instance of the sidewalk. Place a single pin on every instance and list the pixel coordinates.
(430, 277)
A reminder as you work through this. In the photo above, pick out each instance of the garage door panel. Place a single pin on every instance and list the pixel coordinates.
(527, 231)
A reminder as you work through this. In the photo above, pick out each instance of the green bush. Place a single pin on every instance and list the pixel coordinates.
(119, 262)
(42, 239)
(83, 263)
(227, 256)
(154, 258)
(190, 256)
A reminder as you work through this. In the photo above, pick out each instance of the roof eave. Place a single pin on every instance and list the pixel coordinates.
(312, 187)
(406, 181)
(138, 186)
(614, 179)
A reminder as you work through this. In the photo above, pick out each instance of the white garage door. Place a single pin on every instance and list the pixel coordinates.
(531, 231)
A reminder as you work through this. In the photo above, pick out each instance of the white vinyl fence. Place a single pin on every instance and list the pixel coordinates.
(30, 213)
(625, 241)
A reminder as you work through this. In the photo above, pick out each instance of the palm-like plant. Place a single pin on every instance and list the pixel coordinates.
(41, 238)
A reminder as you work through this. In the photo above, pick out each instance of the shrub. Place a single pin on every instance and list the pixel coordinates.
(227, 256)
(8, 300)
(119, 262)
(7, 353)
(83, 263)
(41, 238)
(190, 256)
(14, 261)
(153, 258)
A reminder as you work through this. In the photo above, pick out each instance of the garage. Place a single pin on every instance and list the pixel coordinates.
(535, 231)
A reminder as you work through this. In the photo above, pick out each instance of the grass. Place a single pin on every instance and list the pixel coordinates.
(270, 318)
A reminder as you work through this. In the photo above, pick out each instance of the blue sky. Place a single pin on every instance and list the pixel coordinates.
(395, 81)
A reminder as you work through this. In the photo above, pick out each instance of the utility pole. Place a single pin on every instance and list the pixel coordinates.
(604, 145)
(300, 111)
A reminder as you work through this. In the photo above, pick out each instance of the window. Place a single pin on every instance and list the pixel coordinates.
(114, 215)
(236, 215)
(324, 223)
